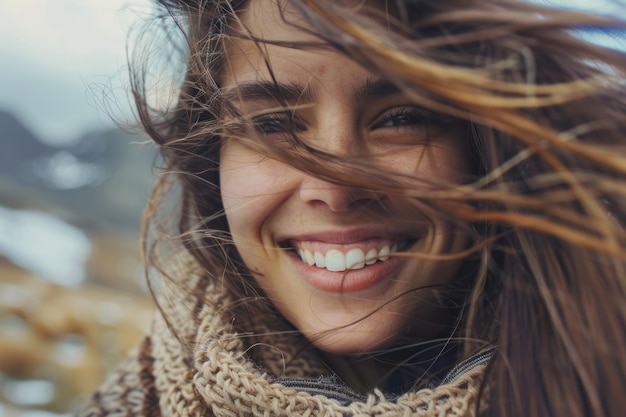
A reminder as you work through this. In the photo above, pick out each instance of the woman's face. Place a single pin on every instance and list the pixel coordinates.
(318, 249)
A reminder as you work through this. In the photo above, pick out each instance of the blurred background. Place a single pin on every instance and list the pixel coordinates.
(72, 188)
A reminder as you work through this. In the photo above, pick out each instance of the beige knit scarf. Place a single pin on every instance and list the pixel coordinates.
(211, 370)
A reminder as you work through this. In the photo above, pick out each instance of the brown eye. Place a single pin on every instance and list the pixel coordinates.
(275, 123)
(403, 116)
(411, 117)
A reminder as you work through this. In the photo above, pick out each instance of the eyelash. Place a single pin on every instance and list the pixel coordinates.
(410, 117)
(276, 123)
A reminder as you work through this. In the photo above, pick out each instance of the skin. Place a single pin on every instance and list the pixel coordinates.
(271, 206)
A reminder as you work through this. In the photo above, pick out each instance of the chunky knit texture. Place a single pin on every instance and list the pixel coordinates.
(211, 370)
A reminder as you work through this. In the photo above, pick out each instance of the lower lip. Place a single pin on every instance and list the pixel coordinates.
(350, 280)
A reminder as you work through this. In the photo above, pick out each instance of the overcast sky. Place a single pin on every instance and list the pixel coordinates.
(55, 53)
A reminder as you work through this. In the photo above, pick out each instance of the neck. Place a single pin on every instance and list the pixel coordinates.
(397, 369)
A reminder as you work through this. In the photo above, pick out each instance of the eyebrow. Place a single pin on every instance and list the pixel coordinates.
(375, 89)
(269, 91)
(293, 92)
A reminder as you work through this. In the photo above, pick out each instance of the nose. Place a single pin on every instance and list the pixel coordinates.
(335, 197)
(341, 137)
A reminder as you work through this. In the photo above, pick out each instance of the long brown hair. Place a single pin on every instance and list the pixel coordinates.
(546, 112)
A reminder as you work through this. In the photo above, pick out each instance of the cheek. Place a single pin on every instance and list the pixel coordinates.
(252, 187)
(447, 161)
(439, 164)
(240, 182)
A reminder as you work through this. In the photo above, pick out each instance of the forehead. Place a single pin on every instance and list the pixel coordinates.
(273, 36)
(279, 22)
(267, 30)
(272, 21)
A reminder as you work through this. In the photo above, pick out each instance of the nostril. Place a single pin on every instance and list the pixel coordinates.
(335, 197)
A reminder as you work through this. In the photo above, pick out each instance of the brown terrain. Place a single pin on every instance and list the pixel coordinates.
(58, 339)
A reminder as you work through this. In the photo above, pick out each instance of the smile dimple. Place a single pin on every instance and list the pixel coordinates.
(336, 260)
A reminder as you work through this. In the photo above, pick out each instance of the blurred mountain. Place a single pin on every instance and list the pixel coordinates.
(72, 297)
(102, 180)
(18, 143)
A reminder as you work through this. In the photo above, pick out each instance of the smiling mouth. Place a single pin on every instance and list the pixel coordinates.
(337, 260)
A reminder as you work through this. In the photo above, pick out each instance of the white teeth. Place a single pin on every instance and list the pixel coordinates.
(309, 257)
(383, 255)
(320, 260)
(335, 260)
(371, 257)
(306, 256)
(355, 258)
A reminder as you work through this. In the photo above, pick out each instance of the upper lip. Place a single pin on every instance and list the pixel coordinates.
(343, 236)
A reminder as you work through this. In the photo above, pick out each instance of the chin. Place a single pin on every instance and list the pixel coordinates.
(347, 342)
